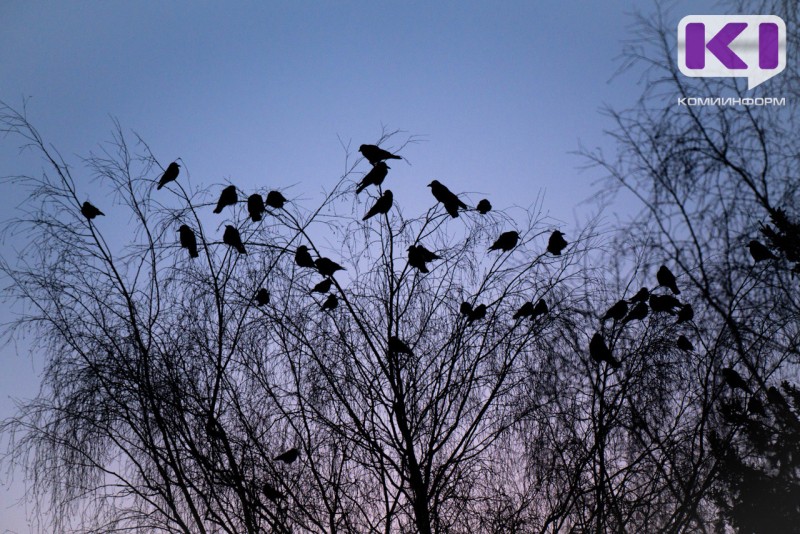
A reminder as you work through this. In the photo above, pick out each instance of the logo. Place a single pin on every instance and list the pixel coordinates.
(745, 46)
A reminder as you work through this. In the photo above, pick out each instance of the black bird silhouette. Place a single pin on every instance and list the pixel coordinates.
(382, 205)
(330, 303)
(667, 279)
(484, 206)
(734, 379)
(776, 397)
(302, 257)
(760, 252)
(228, 197)
(398, 346)
(288, 457)
(188, 240)
(526, 310)
(262, 297)
(479, 312)
(685, 314)
(506, 241)
(664, 303)
(600, 352)
(275, 200)
(89, 211)
(465, 308)
(323, 287)
(255, 207)
(170, 175)
(375, 176)
(684, 343)
(617, 311)
(270, 492)
(418, 256)
(556, 243)
(540, 309)
(638, 313)
(641, 296)
(375, 154)
(446, 197)
(231, 237)
(327, 267)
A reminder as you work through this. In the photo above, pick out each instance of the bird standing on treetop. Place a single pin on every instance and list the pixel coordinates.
(616, 312)
(398, 346)
(418, 256)
(327, 267)
(323, 287)
(556, 243)
(667, 279)
(734, 379)
(302, 257)
(638, 313)
(228, 197)
(760, 252)
(255, 207)
(288, 457)
(382, 205)
(375, 154)
(262, 297)
(275, 200)
(506, 241)
(448, 198)
(89, 211)
(231, 237)
(330, 303)
(484, 206)
(170, 175)
(375, 176)
(188, 240)
(600, 352)
(479, 312)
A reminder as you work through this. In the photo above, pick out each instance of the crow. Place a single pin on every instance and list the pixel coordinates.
(262, 297)
(288, 457)
(506, 241)
(376, 154)
(600, 352)
(382, 205)
(641, 296)
(323, 287)
(188, 240)
(684, 343)
(760, 252)
(231, 237)
(556, 243)
(330, 303)
(302, 258)
(398, 346)
(375, 176)
(255, 207)
(270, 492)
(275, 200)
(664, 304)
(776, 397)
(89, 211)
(327, 267)
(685, 314)
(540, 309)
(418, 256)
(170, 175)
(484, 206)
(734, 379)
(228, 197)
(616, 312)
(479, 312)
(465, 308)
(667, 279)
(446, 197)
(638, 313)
(526, 310)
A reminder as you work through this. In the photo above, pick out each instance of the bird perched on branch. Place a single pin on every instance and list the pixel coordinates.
(271, 493)
(327, 267)
(600, 352)
(275, 200)
(89, 211)
(556, 243)
(478, 313)
(330, 303)
(418, 256)
(449, 199)
(288, 457)
(664, 304)
(540, 309)
(170, 175)
(323, 287)
(382, 205)
(465, 308)
(638, 313)
(506, 241)
(375, 176)
(685, 314)
(255, 207)
(734, 379)
(684, 344)
(616, 312)
(228, 197)
(484, 206)
(302, 257)
(760, 252)
(262, 297)
(667, 279)
(376, 154)
(231, 237)
(398, 346)
(641, 296)
(188, 240)
(526, 310)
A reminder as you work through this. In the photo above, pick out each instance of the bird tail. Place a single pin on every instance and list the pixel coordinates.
(218, 209)
(360, 188)
(160, 185)
(394, 157)
(193, 253)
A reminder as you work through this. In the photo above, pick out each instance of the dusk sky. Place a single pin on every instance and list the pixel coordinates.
(260, 94)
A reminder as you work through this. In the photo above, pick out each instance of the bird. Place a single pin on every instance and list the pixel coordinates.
(330, 303)
(382, 205)
(506, 241)
(275, 200)
(526, 310)
(231, 237)
(262, 297)
(270, 492)
(465, 308)
(418, 256)
(288, 457)
(228, 197)
(188, 240)
(760, 252)
(684, 344)
(302, 257)
(638, 313)
(540, 309)
(170, 175)
(479, 312)
(600, 352)
(327, 267)
(375, 176)
(89, 211)
(641, 296)
(734, 379)
(685, 314)
(398, 346)
(255, 207)
(322, 287)
(484, 206)
(664, 303)
(616, 312)
(755, 406)
(446, 197)
(776, 397)
(556, 243)
(667, 279)
(375, 154)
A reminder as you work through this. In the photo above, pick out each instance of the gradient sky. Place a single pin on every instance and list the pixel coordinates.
(260, 93)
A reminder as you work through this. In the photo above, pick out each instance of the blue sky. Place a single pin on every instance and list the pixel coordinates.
(260, 93)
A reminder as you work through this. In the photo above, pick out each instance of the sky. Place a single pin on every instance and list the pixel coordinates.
(264, 94)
